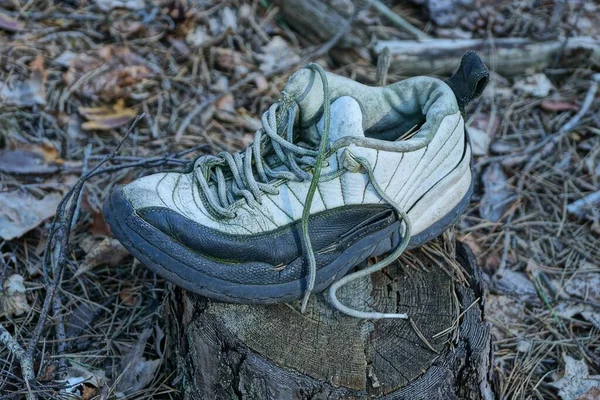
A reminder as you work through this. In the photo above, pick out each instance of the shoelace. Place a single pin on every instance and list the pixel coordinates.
(279, 118)
(379, 265)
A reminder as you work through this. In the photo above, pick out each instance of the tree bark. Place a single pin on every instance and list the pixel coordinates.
(227, 351)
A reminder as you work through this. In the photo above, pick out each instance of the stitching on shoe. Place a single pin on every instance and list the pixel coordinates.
(401, 201)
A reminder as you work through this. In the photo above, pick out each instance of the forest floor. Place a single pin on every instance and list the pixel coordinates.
(74, 75)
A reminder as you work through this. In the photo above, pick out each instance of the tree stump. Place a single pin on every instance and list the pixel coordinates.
(227, 351)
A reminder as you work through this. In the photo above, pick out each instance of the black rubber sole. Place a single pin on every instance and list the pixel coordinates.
(188, 269)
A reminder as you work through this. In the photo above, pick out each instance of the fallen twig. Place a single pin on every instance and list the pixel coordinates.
(55, 252)
(26, 363)
(399, 21)
(506, 56)
(383, 66)
(545, 146)
(549, 142)
(581, 206)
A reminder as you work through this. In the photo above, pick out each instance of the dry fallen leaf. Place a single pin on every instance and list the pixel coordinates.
(515, 283)
(117, 73)
(481, 131)
(585, 286)
(128, 296)
(592, 394)
(81, 318)
(554, 105)
(505, 314)
(229, 19)
(14, 300)
(35, 159)
(23, 162)
(226, 103)
(106, 117)
(536, 85)
(80, 380)
(109, 251)
(136, 371)
(576, 380)
(29, 92)
(88, 392)
(276, 53)
(47, 373)
(588, 312)
(496, 193)
(20, 212)
(10, 24)
(480, 141)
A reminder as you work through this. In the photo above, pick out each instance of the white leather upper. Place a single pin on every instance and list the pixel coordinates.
(429, 181)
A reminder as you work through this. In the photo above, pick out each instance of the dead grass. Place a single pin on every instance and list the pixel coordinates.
(202, 72)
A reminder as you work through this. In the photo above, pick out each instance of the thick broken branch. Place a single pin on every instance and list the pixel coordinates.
(507, 56)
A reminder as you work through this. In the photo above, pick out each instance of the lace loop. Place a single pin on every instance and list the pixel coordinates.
(225, 178)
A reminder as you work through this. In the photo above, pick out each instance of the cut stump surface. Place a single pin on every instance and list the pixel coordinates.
(227, 351)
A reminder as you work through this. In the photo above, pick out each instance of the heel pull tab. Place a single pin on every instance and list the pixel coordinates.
(469, 81)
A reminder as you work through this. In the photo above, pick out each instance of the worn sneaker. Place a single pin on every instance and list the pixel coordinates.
(324, 186)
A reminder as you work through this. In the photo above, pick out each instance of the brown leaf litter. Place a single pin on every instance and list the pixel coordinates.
(494, 202)
(109, 73)
(29, 92)
(37, 159)
(109, 251)
(107, 117)
(136, 371)
(576, 383)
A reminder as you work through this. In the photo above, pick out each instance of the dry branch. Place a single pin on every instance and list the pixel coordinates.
(507, 56)
(26, 364)
(580, 207)
(399, 21)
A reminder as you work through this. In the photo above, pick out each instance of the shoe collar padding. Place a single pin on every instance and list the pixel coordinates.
(394, 108)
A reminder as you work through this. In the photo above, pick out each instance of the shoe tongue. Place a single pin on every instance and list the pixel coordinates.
(346, 120)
